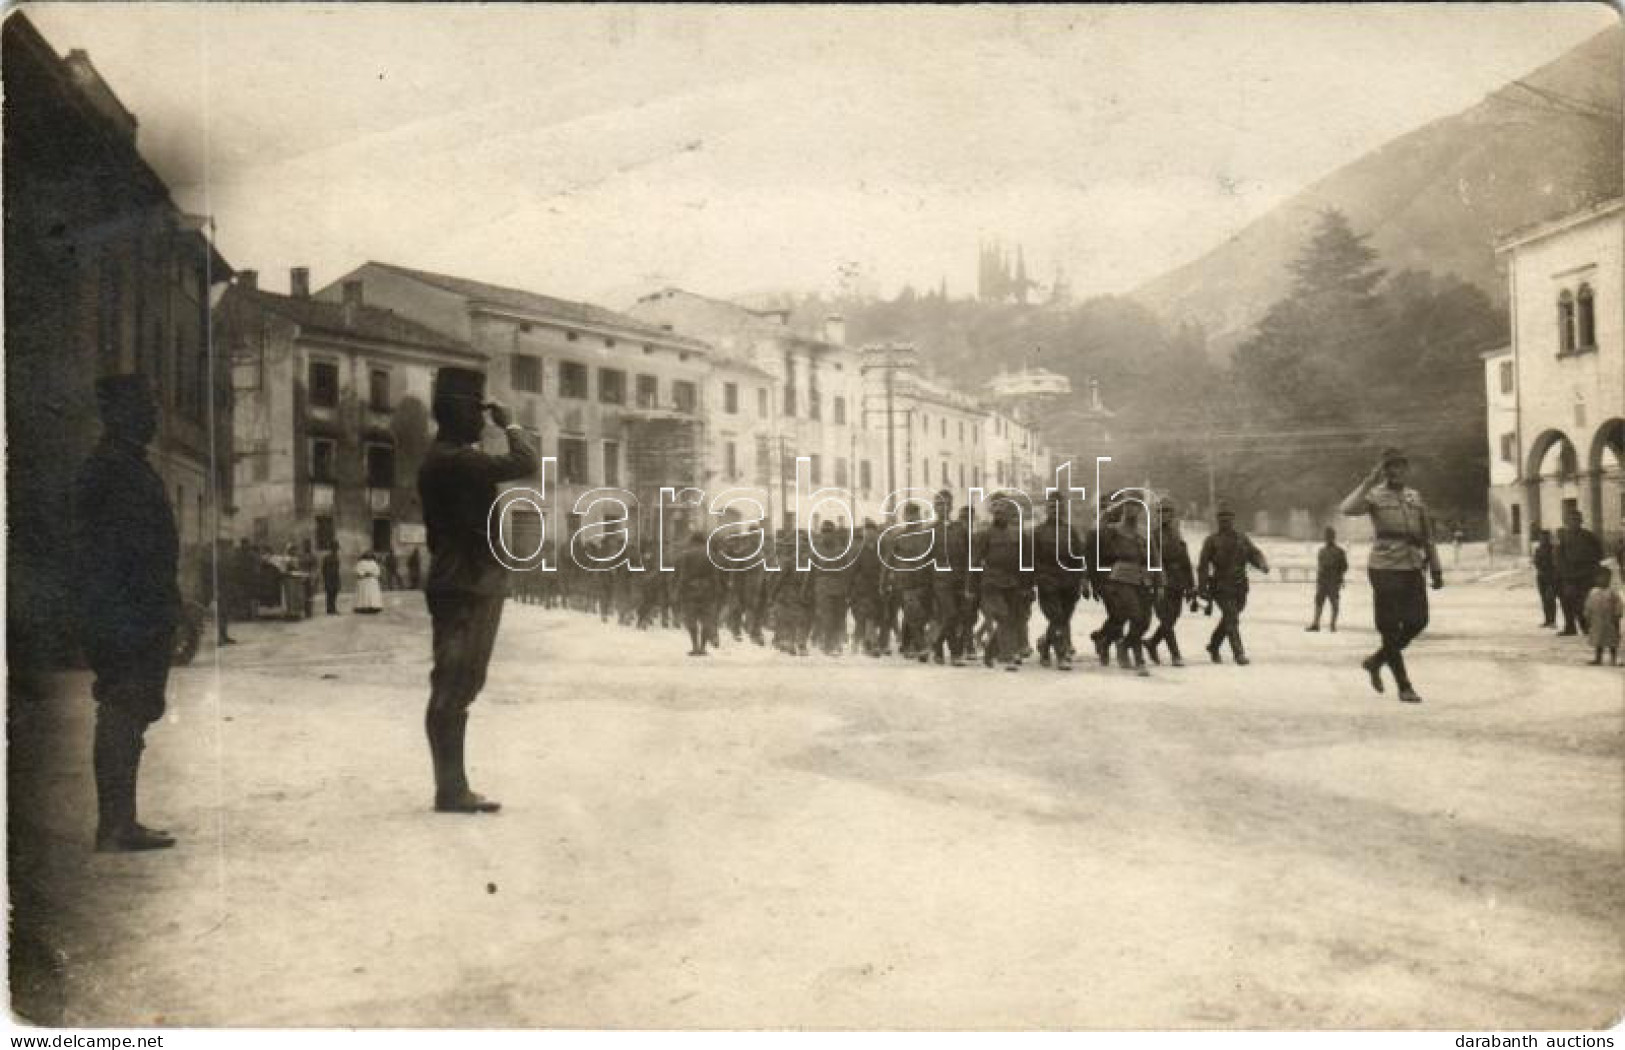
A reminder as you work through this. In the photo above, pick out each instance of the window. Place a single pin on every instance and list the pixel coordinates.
(790, 401)
(944, 465)
(1506, 377)
(815, 468)
(685, 395)
(815, 406)
(260, 459)
(925, 470)
(944, 429)
(609, 342)
(1565, 323)
(1509, 448)
(324, 384)
(761, 402)
(840, 474)
(612, 463)
(764, 456)
(378, 390)
(612, 386)
(1517, 520)
(573, 460)
(571, 336)
(961, 475)
(865, 475)
(326, 534)
(730, 398)
(840, 411)
(648, 392)
(730, 460)
(380, 467)
(322, 454)
(525, 373)
(961, 431)
(573, 380)
(1588, 319)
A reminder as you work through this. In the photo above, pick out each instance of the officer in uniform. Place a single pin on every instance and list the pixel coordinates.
(1222, 569)
(1401, 551)
(126, 552)
(466, 585)
(1577, 555)
(1059, 564)
(1176, 585)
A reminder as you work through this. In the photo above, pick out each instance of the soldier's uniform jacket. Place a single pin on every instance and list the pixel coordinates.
(906, 549)
(951, 551)
(1123, 555)
(789, 587)
(696, 575)
(1401, 528)
(1177, 574)
(998, 553)
(457, 485)
(1225, 556)
(1545, 559)
(1059, 556)
(1330, 565)
(832, 580)
(126, 548)
(1577, 554)
(866, 571)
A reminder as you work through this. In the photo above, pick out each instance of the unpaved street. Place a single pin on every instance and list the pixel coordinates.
(753, 840)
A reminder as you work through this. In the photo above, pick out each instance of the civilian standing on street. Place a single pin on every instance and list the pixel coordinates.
(1331, 565)
(330, 578)
(369, 596)
(1402, 550)
(1222, 570)
(1603, 609)
(126, 551)
(1578, 554)
(467, 585)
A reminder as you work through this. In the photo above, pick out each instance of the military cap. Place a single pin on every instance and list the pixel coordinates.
(1224, 510)
(123, 389)
(463, 384)
(828, 526)
(1393, 455)
(944, 496)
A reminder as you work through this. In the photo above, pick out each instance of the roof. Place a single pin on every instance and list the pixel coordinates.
(757, 322)
(530, 302)
(1541, 230)
(370, 322)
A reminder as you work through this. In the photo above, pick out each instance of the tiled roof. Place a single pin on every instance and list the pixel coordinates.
(369, 322)
(546, 305)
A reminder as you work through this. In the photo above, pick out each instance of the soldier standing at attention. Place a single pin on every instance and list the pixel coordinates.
(1222, 569)
(1177, 584)
(1059, 564)
(1330, 566)
(466, 585)
(1545, 562)
(1401, 551)
(948, 584)
(126, 552)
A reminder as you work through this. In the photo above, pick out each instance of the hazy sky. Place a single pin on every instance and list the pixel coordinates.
(593, 152)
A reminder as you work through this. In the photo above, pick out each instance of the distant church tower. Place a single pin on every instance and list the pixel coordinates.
(995, 280)
(1060, 293)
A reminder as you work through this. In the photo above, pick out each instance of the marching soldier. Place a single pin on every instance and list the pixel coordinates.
(1222, 569)
(1330, 566)
(1059, 565)
(790, 598)
(466, 585)
(126, 552)
(831, 585)
(697, 587)
(866, 596)
(1125, 584)
(1177, 585)
(1401, 551)
(910, 576)
(997, 553)
(949, 582)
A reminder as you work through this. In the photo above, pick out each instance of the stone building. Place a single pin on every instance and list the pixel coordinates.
(332, 415)
(1566, 290)
(104, 275)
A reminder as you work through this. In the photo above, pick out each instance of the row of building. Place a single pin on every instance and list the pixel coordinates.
(1556, 394)
(304, 416)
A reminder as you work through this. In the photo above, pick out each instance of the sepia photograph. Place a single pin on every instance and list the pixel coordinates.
(888, 518)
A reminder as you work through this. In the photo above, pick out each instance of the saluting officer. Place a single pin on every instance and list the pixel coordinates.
(457, 485)
(1401, 551)
(126, 552)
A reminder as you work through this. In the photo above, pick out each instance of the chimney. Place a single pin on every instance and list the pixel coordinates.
(835, 330)
(299, 282)
(352, 302)
(248, 279)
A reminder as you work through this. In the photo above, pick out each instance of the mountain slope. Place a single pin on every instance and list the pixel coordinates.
(1433, 199)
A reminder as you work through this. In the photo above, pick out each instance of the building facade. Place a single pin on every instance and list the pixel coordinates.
(104, 275)
(332, 416)
(1501, 408)
(1566, 290)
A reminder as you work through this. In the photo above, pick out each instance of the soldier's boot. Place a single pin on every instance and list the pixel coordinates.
(116, 757)
(1151, 644)
(1373, 669)
(452, 793)
(1123, 660)
(1043, 650)
(1173, 652)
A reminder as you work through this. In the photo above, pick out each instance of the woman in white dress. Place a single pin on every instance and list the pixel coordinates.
(369, 595)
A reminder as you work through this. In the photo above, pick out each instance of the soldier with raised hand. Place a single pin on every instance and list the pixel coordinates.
(1222, 570)
(1058, 564)
(466, 585)
(1402, 550)
(126, 553)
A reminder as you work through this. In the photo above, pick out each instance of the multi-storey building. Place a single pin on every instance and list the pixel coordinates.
(332, 415)
(1566, 290)
(1501, 407)
(104, 275)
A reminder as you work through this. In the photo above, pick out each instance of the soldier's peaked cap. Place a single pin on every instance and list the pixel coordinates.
(1224, 510)
(463, 384)
(1393, 455)
(123, 389)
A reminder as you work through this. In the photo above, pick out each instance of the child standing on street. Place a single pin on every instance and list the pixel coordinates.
(1603, 609)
